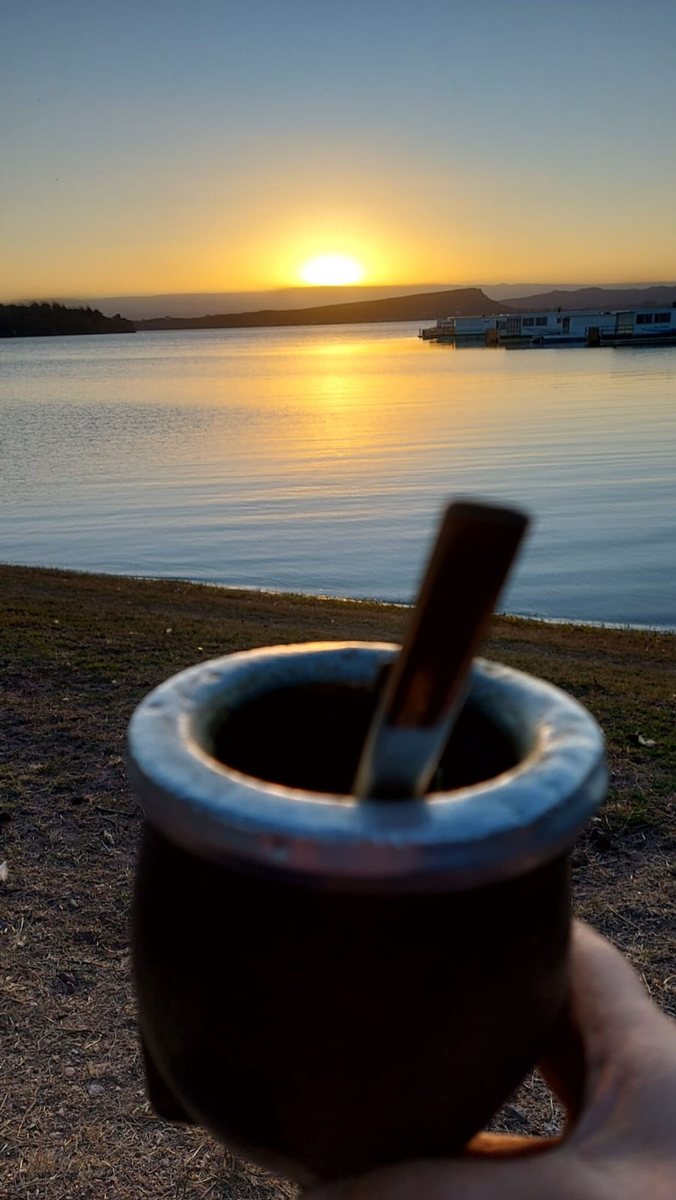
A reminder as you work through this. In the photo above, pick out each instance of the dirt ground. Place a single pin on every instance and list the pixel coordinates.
(77, 653)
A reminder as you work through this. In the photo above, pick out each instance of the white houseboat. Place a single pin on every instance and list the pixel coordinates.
(461, 329)
(654, 325)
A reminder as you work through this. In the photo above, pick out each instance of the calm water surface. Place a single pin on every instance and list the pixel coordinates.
(317, 460)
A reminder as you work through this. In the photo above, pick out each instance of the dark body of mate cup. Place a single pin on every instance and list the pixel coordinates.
(327, 983)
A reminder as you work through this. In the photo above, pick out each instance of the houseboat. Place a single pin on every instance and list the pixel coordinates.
(650, 326)
(654, 325)
(461, 329)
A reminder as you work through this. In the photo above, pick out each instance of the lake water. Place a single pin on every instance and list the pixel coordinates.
(317, 460)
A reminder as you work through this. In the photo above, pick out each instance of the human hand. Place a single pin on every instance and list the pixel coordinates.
(622, 1144)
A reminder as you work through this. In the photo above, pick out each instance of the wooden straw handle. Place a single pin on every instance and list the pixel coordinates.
(474, 550)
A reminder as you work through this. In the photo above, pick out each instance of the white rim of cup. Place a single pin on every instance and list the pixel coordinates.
(474, 835)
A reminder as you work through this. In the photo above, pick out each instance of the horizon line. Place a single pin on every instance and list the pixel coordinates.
(60, 298)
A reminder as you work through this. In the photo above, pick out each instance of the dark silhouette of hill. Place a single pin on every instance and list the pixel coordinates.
(426, 306)
(54, 320)
(596, 298)
(196, 304)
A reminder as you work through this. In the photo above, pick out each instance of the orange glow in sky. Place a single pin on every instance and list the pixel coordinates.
(334, 148)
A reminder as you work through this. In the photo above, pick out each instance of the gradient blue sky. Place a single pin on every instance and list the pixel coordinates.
(156, 146)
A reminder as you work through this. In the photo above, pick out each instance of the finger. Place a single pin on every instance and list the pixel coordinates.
(629, 1045)
(610, 1007)
(607, 994)
(481, 1179)
(607, 1004)
(387, 1184)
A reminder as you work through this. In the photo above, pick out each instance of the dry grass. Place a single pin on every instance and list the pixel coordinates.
(77, 653)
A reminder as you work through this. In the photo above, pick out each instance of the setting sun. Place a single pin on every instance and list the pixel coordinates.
(331, 270)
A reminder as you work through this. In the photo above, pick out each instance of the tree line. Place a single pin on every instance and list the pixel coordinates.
(46, 319)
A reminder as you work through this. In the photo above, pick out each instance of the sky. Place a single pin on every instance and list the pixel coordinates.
(156, 146)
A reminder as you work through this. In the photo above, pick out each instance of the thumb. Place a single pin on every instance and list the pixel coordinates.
(601, 1010)
(628, 1047)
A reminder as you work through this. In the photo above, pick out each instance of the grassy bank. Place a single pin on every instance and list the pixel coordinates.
(77, 654)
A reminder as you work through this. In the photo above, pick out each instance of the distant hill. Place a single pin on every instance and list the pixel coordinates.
(596, 298)
(54, 320)
(196, 304)
(420, 307)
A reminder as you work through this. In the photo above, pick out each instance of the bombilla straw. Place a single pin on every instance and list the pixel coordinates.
(426, 688)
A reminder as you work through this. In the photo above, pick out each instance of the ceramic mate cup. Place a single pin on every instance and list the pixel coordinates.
(327, 983)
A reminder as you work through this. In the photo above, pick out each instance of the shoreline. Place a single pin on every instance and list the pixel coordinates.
(403, 605)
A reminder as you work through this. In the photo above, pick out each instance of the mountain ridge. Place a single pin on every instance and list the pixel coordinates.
(420, 307)
(597, 297)
(198, 304)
